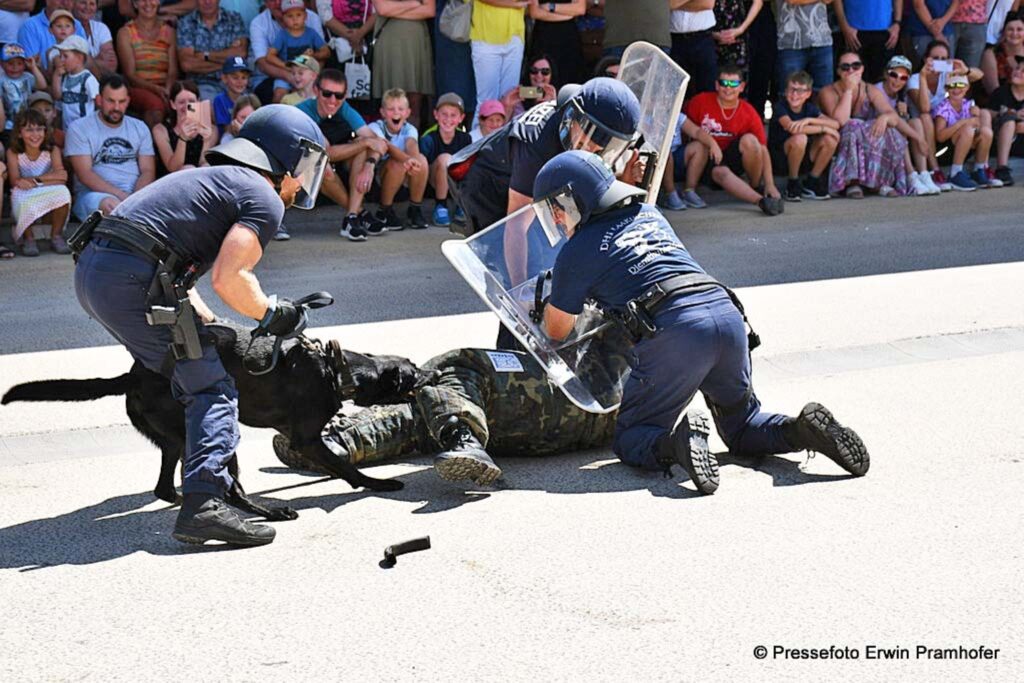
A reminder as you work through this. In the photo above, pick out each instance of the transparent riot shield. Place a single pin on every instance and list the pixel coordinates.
(660, 85)
(504, 264)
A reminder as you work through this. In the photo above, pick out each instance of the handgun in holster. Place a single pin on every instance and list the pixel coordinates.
(180, 315)
(79, 236)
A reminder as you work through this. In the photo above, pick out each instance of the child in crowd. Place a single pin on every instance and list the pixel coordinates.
(670, 198)
(799, 130)
(403, 163)
(73, 84)
(304, 70)
(42, 102)
(38, 183)
(438, 145)
(244, 106)
(894, 87)
(1007, 103)
(235, 76)
(492, 117)
(296, 39)
(62, 27)
(957, 119)
(16, 84)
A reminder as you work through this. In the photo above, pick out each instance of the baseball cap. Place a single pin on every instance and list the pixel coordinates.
(452, 99)
(230, 66)
(491, 107)
(58, 13)
(12, 51)
(306, 62)
(39, 96)
(74, 43)
(900, 62)
(292, 4)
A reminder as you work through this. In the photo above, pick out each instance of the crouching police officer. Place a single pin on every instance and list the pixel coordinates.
(136, 271)
(689, 333)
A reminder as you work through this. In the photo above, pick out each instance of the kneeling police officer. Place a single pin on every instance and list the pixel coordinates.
(690, 333)
(136, 271)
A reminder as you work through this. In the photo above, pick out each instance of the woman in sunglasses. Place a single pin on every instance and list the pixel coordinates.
(871, 152)
(537, 87)
(894, 87)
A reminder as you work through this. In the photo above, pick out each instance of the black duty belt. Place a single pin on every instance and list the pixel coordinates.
(141, 239)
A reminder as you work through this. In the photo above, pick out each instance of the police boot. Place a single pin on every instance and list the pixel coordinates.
(293, 458)
(815, 429)
(464, 457)
(207, 518)
(687, 445)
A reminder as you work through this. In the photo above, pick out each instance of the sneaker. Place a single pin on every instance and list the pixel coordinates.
(687, 445)
(963, 183)
(459, 216)
(888, 191)
(926, 180)
(59, 245)
(414, 214)
(206, 518)
(794, 190)
(771, 206)
(993, 179)
(815, 429)
(1004, 175)
(464, 457)
(30, 248)
(282, 235)
(979, 176)
(293, 458)
(918, 187)
(389, 219)
(352, 229)
(940, 181)
(817, 188)
(373, 225)
(441, 218)
(671, 202)
(693, 200)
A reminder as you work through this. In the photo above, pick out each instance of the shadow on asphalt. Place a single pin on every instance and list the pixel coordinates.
(118, 527)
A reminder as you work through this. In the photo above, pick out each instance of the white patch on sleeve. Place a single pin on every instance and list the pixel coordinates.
(505, 362)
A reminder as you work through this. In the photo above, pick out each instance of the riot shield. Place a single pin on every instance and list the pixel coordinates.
(502, 264)
(660, 85)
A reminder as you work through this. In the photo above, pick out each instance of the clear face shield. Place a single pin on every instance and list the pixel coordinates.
(558, 214)
(590, 135)
(309, 171)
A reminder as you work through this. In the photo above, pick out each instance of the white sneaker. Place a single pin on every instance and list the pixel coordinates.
(926, 178)
(918, 187)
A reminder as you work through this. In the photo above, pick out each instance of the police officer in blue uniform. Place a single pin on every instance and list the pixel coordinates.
(135, 275)
(690, 333)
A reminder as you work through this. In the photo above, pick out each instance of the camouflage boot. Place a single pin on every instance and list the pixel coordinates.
(464, 457)
(815, 429)
(687, 445)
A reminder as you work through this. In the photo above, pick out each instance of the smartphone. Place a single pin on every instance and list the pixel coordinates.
(942, 66)
(198, 112)
(529, 92)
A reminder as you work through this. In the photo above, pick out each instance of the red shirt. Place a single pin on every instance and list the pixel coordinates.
(727, 126)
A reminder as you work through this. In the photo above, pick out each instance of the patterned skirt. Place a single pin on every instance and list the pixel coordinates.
(869, 161)
(28, 206)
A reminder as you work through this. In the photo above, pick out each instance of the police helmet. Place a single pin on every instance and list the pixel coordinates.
(606, 114)
(574, 186)
(278, 139)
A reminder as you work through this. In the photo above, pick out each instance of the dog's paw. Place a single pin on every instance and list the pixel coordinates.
(167, 495)
(282, 514)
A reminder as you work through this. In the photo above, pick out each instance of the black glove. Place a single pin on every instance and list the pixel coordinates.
(282, 317)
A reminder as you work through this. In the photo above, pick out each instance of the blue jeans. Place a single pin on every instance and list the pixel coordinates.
(816, 61)
(701, 348)
(111, 283)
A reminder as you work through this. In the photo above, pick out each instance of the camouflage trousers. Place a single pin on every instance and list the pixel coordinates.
(504, 397)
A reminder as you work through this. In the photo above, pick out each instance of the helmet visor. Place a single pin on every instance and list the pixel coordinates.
(309, 171)
(592, 136)
(558, 214)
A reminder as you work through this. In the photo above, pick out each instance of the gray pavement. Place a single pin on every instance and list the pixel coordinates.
(574, 567)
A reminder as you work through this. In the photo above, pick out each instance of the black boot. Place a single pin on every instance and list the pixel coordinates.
(815, 429)
(207, 518)
(464, 457)
(687, 445)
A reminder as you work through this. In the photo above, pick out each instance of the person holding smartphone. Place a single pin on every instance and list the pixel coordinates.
(537, 86)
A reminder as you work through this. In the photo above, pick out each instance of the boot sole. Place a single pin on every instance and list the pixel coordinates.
(200, 540)
(461, 468)
(849, 451)
(704, 465)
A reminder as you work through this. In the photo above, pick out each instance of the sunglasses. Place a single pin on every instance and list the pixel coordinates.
(898, 76)
(955, 86)
(851, 66)
(730, 82)
(799, 91)
(336, 94)
(542, 70)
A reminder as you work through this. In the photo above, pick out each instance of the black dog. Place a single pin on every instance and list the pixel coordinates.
(297, 398)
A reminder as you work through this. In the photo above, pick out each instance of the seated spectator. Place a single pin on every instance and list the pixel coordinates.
(74, 85)
(969, 128)
(235, 76)
(1007, 103)
(732, 19)
(998, 11)
(38, 183)
(295, 40)
(871, 152)
(42, 102)
(402, 163)
(244, 106)
(304, 70)
(800, 131)
(492, 117)
(739, 134)
(894, 87)
(170, 10)
(670, 197)
(538, 76)
(609, 68)
(351, 143)
(35, 34)
(111, 154)
(804, 41)
(148, 52)
(182, 140)
(17, 84)
(928, 20)
(998, 61)
(62, 27)
(438, 145)
(402, 55)
(555, 34)
(102, 58)
(207, 39)
(871, 28)
(263, 31)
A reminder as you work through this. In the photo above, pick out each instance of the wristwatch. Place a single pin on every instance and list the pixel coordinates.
(551, 7)
(206, 56)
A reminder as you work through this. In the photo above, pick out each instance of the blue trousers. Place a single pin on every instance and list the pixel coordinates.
(111, 283)
(817, 61)
(700, 348)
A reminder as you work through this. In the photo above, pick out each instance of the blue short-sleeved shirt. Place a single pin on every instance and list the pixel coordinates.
(351, 116)
(777, 135)
(432, 146)
(289, 46)
(618, 256)
(15, 93)
(222, 106)
(196, 208)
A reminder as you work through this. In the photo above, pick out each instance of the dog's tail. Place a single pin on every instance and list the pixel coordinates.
(68, 389)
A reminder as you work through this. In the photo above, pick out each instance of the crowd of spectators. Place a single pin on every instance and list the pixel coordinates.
(842, 97)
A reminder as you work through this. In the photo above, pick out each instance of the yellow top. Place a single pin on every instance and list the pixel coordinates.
(496, 25)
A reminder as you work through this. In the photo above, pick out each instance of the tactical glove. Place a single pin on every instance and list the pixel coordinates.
(282, 317)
